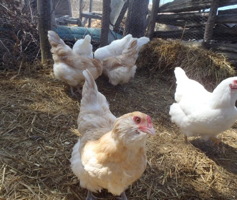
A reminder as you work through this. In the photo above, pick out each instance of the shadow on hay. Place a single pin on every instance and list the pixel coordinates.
(223, 154)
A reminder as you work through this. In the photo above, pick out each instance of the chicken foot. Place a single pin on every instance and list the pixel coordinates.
(215, 141)
(90, 196)
(122, 197)
(74, 93)
(185, 139)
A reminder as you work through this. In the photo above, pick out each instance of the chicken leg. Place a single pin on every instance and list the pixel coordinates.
(122, 197)
(185, 139)
(215, 141)
(90, 196)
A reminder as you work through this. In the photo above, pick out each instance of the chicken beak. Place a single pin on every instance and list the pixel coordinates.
(151, 130)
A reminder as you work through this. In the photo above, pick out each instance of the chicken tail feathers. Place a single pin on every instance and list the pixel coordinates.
(92, 99)
(131, 50)
(58, 46)
(88, 38)
(54, 39)
(94, 109)
(90, 84)
(180, 74)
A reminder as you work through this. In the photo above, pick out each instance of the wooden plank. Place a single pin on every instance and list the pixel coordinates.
(211, 21)
(184, 5)
(230, 18)
(219, 33)
(91, 15)
(226, 30)
(190, 5)
(152, 21)
(180, 34)
(227, 12)
(193, 19)
(105, 23)
(44, 8)
(120, 17)
(183, 19)
(136, 21)
(224, 47)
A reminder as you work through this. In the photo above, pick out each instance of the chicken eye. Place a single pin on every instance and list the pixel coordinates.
(137, 120)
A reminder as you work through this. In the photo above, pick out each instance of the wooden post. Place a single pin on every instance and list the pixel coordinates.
(136, 20)
(153, 18)
(210, 22)
(90, 10)
(121, 15)
(44, 24)
(105, 23)
(80, 9)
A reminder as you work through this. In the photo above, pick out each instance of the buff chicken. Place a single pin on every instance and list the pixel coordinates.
(110, 153)
(68, 65)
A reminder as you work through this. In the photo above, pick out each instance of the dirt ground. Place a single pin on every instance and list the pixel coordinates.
(38, 119)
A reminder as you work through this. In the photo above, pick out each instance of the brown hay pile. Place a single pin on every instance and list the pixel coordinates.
(19, 39)
(200, 64)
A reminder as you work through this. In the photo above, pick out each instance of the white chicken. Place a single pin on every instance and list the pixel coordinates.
(141, 41)
(110, 153)
(120, 69)
(68, 65)
(201, 113)
(116, 47)
(83, 47)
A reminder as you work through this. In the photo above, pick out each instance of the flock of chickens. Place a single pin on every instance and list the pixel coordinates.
(110, 153)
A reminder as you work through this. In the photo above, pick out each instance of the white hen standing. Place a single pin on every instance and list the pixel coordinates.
(120, 69)
(110, 153)
(68, 65)
(83, 47)
(201, 113)
(116, 47)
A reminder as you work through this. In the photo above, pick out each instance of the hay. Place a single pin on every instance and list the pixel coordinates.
(19, 39)
(37, 126)
(207, 67)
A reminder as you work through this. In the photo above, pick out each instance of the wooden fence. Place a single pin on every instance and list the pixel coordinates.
(189, 21)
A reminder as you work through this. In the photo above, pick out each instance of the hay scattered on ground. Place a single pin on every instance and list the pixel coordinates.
(36, 140)
(205, 66)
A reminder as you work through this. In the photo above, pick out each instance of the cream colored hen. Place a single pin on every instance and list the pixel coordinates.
(83, 47)
(120, 69)
(68, 65)
(110, 153)
(201, 113)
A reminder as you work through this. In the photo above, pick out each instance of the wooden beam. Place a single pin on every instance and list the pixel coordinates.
(105, 23)
(227, 12)
(183, 19)
(90, 10)
(121, 16)
(80, 9)
(211, 21)
(44, 8)
(152, 22)
(190, 5)
(193, 19)
(136, 18)
(224, 47)
(178, 34)
(222, 19)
